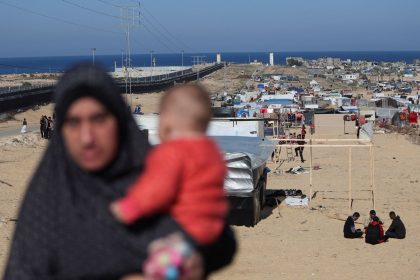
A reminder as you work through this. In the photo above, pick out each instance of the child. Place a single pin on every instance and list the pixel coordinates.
(184, 175)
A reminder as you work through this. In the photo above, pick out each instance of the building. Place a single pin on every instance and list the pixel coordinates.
(218, 58)
(271, 58)
(350, 77)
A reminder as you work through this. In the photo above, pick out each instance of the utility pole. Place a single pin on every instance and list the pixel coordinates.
(129, 15)
(224, 78)
(197, 61)
(93, 55)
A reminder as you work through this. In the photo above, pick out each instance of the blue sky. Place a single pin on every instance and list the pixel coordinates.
(207, 26)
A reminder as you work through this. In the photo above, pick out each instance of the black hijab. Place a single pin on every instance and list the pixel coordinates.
(64, 228)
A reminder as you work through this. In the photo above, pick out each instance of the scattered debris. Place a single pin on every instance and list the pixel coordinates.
(5, 183)
(297, 170)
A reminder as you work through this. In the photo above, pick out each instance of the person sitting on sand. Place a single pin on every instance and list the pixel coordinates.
(350, 230)
(397, 228)
(374, 233)
(184, 175)
(372, 214)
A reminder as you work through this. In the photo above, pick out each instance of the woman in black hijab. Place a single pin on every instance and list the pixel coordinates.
(64, 229)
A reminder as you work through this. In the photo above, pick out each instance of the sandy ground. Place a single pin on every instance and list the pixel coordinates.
(17, 80)
(289, 242)
(296, 243)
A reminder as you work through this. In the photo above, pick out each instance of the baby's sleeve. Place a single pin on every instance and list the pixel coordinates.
(156, 188)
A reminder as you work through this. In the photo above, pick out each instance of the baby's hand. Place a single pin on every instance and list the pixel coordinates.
(116, 211)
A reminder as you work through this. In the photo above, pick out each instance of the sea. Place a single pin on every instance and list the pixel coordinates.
(20, 65)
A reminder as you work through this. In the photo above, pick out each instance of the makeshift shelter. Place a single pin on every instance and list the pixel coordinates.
(245, 182)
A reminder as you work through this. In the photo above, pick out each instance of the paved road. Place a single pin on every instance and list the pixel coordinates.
(12, 131)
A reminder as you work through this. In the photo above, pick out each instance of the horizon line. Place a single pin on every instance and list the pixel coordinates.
(206, 52)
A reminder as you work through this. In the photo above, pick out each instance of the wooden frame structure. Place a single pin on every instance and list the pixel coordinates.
(361, 143)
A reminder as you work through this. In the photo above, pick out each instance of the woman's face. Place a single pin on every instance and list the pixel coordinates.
(90, 134)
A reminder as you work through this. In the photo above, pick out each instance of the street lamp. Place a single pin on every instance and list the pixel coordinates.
(151, 58)
(182, 63)
(122, 59)
(93, 55)
(151, 65)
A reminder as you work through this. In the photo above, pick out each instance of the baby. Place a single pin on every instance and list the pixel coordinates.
(184, 175)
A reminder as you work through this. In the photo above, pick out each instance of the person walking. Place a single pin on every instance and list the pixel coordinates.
(24, 126)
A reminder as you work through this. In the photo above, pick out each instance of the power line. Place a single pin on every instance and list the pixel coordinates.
(157, 31)
(164, 28)
(57, 19)
(110, 4)
(160, 41)
(170, 38)
(90, 9)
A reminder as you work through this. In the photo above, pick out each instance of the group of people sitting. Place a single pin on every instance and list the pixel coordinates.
(374, 232)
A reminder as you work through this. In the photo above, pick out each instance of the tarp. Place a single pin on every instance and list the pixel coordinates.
(386, 113)
(217, 127)
(296, 201)
(246, 158)
(366, 132)
(236, 127)
(414, 108)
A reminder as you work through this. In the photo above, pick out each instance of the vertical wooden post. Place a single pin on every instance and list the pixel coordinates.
(310, 170)
(372, 175)
(350, 203)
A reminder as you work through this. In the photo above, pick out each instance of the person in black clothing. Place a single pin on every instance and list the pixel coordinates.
(41, 126)
(372, 215)
(397, 228)
(45, 126)
(49, 127)
(374, 233)
(300, 148)
(65, 229)
(349, 229)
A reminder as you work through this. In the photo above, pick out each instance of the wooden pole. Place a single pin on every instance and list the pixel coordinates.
(337, 140)
(327, 146)
(350, 204)
(372, 159)
(310, 171)
(344, 127)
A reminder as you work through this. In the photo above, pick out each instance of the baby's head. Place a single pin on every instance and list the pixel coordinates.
(185, 111)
